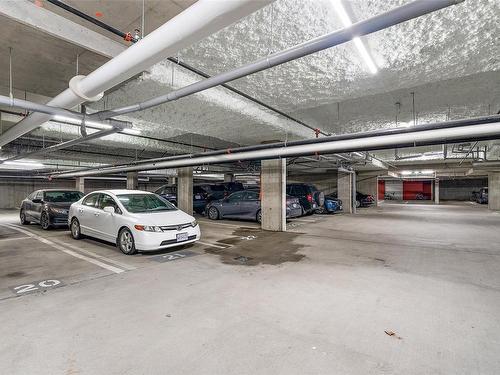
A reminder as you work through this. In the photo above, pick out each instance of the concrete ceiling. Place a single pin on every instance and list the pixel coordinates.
(449, 59)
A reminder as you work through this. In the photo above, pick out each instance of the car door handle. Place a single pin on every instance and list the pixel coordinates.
(96, 214)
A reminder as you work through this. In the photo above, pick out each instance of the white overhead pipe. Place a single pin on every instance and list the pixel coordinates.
(359, 142)
(200, 20)
(379, 22)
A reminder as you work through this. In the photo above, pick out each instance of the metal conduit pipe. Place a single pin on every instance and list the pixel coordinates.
(426, 135)
(382, 21)
(63, 145)
(61, 114)
(200, 20)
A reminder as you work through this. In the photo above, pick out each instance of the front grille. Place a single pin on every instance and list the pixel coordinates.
(175, 227)
(168, 242)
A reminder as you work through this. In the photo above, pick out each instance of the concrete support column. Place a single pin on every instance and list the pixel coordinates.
(273, 194)
(436, 191)
(368, 185)
(494, 190)
(80, 184)
(185, 189)
(228, 177)
(132, 180)
(345, 182)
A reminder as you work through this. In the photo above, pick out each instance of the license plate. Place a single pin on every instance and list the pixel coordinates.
(182, 237)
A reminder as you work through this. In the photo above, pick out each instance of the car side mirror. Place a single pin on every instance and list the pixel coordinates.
(36, 200)
(109, 209)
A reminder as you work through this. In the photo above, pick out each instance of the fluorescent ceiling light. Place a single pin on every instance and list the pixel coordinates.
(427, 171)
(131, 131)
(28, 164)
(406, 173)
(344, 17)
(76, 121)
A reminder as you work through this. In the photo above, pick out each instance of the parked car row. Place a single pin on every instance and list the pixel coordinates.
(138, 220)
(132, 219)
(202, 194)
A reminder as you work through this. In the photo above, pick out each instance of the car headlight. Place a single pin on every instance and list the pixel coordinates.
(194, 223)
(58, 210)
(148, 228)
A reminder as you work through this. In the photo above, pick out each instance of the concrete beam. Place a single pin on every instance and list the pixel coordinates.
(185, 189)
(273, 192)
(47, 22)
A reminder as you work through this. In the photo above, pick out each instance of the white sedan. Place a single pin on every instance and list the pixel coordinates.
(133, 219)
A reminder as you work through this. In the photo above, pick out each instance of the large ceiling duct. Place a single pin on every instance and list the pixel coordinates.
(482, 128)
(202, 19)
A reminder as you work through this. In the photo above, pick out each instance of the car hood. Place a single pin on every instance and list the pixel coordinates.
(163, 218)
(59, 204)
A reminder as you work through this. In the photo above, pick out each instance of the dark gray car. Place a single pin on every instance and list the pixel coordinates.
(48, 207)
(245, 204)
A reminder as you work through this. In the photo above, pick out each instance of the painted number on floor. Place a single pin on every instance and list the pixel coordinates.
(36, 286)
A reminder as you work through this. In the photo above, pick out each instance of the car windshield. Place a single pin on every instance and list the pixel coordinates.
(62, 196)
(136, 203)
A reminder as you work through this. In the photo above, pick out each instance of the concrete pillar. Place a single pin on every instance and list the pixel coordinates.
(132, 180)
(436, 191)
(273, 194)
(494, 190)
(80, 184)
(345, 183)
(367, 184)
(228, 177)
(185, 189)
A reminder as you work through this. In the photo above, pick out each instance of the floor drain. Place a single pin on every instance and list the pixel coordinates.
(242, 259)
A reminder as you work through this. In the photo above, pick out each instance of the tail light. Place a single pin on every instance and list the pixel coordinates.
(309, 197)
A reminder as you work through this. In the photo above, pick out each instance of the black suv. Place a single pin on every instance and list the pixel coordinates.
(310, 198)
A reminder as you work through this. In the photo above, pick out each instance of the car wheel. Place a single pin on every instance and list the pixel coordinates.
(320, 210)
(358, 204)
(126, 242)
(213, 213)
(259, 217)
(76, 232)
(45, 221)
(22, 217)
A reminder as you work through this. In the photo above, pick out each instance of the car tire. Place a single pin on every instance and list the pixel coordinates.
(320, 210)
(22, 218)
(358, 204)
(258, 217)
(45, 221)
(75, 229)
(126, 242)
(213, 213)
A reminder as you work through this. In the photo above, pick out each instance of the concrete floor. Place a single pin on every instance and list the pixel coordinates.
(315, 300)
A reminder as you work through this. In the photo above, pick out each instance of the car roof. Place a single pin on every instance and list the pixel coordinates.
(57, 190)
(122, 191)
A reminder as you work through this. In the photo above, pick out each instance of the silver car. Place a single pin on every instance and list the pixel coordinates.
(245, 204)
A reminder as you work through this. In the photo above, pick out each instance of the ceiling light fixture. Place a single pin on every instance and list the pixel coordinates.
(28, 164)
(344, 17)
(132, 131)
(75, 121)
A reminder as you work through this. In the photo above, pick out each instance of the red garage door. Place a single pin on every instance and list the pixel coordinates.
(381, 190)
(417, 190)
